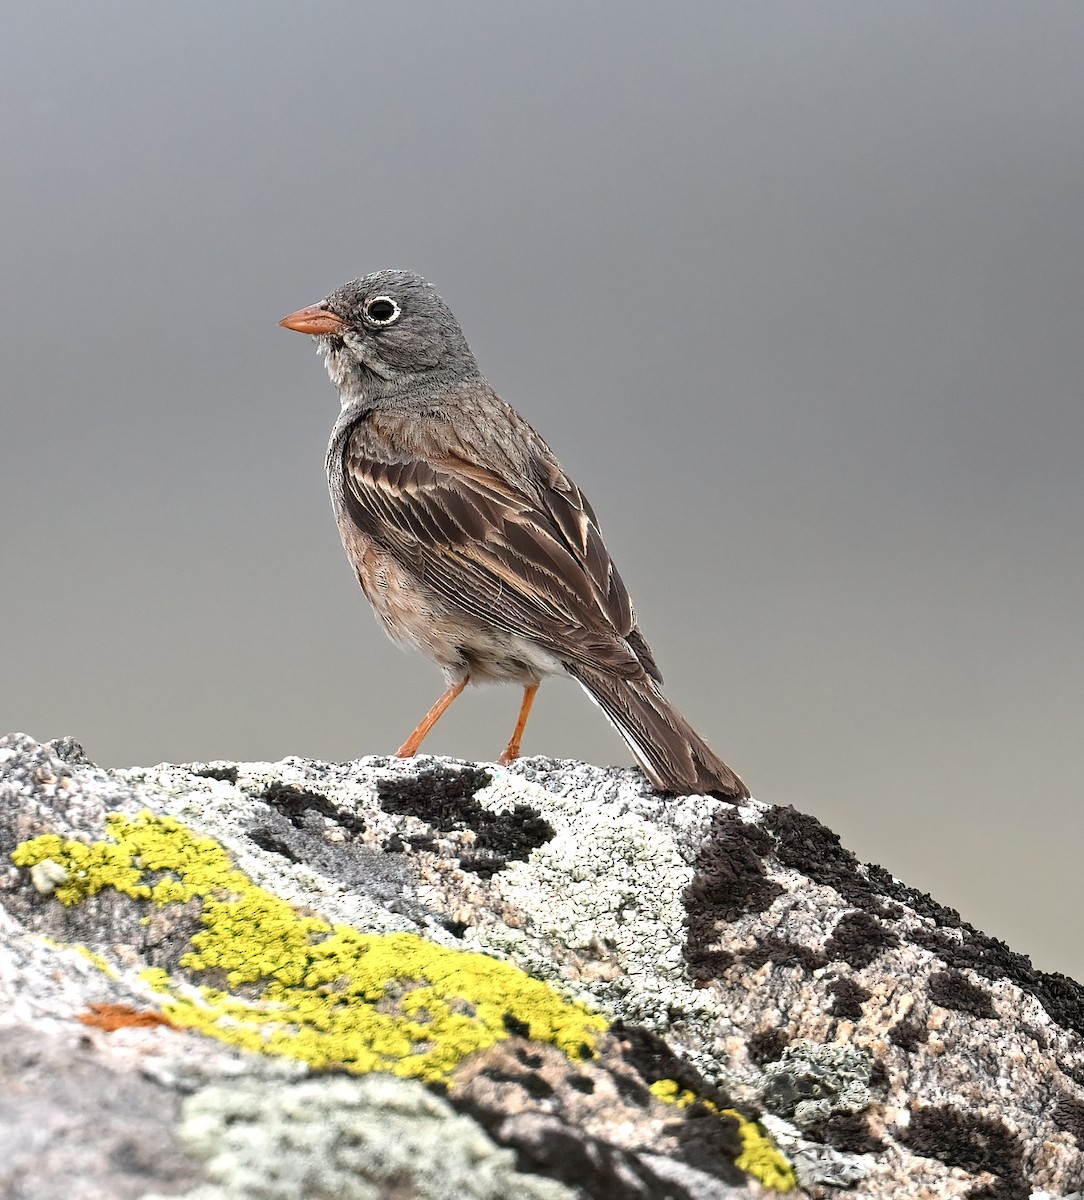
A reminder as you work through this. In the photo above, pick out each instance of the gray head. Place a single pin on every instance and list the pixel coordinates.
(387, 334)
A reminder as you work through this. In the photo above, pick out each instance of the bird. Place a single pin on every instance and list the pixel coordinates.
(470, 540)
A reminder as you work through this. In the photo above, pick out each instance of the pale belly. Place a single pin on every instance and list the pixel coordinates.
(462, 645)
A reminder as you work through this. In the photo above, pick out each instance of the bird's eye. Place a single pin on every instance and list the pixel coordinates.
(381, 310)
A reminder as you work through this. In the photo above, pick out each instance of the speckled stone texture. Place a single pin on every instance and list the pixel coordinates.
(756, 981)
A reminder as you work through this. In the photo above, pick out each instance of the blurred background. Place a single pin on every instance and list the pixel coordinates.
(795, 291)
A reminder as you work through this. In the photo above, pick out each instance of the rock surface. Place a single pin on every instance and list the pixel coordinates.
(385, 979)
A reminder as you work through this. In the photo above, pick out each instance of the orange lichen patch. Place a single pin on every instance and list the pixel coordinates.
(122, 1016)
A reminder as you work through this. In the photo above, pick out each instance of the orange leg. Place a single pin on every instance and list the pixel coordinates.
(511, 751)
(410, 747)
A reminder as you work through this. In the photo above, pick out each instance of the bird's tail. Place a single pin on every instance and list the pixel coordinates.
(673, 755)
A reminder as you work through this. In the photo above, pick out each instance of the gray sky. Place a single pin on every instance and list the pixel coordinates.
(795, 291)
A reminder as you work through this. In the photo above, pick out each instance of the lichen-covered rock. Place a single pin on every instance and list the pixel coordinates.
(559, 982)
(346, 1139)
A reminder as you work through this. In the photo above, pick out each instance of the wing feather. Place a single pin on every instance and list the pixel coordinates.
(528, 559)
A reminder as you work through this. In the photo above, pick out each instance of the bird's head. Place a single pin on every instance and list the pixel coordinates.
(386, 334)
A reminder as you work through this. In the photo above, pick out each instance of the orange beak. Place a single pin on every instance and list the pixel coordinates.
(314, 319)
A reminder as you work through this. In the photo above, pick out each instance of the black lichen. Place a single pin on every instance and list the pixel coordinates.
(767, 1046)
(952, 990)
(1068, 1114)
(653, 1060)
(631, 1089)
(848, 1132)
(812, 848)
(1001, 1189)
(297, 804)
(918, 902)
(847, 999)
(858, 939)
(708, 1141)
(959, 1139)
(711, 964)
(593, 1168)
(222, 774)
(440, 796)
(1061, 997)
(806, 845)
(730, 881)
(785, 954)
(908, 1035)
(529, 1058)
(444, 799)
(515, 1026)
(533, 1084)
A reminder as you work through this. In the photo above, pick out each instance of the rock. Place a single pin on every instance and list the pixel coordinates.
(433, 978)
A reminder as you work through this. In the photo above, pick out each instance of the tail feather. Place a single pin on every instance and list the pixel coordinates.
(672, 754)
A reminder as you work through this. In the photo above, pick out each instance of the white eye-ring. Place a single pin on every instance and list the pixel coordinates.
(381, 311)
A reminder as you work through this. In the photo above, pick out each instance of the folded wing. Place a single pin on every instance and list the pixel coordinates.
(531, 564)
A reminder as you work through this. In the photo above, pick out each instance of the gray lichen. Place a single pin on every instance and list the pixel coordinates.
(346, 1139)
(812, 1082)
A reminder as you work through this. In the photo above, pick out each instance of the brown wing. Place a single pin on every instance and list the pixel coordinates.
(531, 565)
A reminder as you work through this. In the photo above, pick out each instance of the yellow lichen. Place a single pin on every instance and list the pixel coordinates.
(329, 994)
(99, 960)
(300, 986)
(759, 1157)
